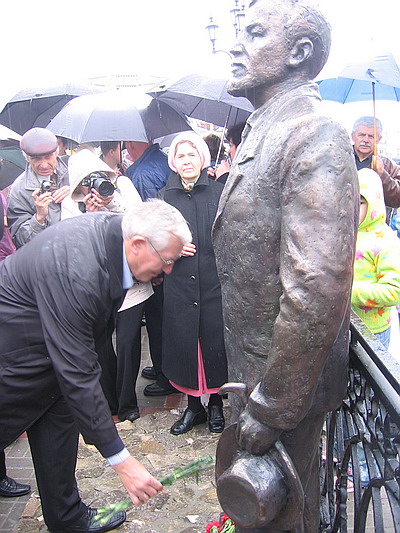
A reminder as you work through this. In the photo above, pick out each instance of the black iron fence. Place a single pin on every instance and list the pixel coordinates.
(360, 474)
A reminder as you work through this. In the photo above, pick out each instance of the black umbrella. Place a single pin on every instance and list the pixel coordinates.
(12, 164)
(113, 116)
(37, 106)
(204, 98)
(12, 161)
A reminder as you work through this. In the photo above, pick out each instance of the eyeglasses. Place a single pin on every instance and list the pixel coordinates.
(165, 261)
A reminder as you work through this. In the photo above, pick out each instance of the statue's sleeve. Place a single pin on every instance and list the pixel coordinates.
(319, 193)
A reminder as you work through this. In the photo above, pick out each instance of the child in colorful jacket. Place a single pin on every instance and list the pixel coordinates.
(376, 285)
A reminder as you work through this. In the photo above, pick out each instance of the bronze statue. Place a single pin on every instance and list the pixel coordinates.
(284, 240)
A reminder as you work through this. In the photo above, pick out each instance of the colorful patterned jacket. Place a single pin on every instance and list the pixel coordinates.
(376, 286)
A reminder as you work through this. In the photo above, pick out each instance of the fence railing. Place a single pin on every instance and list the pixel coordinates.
(360, 473)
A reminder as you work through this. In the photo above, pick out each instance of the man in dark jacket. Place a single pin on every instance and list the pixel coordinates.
(363, 136)
(149, 174)
(57, 296)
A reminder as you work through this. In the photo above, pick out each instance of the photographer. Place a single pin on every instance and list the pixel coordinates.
(35, 196)
(95, 187)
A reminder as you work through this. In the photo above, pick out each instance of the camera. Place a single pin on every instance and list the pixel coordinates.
(100, 182)
(45, 186)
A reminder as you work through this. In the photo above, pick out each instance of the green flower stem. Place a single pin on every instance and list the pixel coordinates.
(104, 514)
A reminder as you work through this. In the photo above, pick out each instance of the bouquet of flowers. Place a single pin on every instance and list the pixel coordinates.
(223, 525)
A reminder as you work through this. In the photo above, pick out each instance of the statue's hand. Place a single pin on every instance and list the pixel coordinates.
(254, 437)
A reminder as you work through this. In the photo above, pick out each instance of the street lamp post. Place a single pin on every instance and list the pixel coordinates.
(212, 33)
(237, 14)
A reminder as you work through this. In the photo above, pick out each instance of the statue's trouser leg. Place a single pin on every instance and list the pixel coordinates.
(302, 445)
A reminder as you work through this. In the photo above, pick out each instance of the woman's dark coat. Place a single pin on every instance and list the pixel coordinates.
(192, 293)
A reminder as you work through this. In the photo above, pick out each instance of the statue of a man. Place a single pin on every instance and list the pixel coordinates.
(284, 239)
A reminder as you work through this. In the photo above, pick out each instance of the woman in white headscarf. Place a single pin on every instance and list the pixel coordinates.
(193, 345)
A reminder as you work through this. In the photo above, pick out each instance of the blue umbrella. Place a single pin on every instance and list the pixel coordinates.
(374, 79)
(346, 91)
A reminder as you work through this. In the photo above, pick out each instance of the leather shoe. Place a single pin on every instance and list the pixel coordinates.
(87, 524)
(188, 420)
(154, 389)
(216, 420)
(131, 415)
(9, 488)
(148, 372)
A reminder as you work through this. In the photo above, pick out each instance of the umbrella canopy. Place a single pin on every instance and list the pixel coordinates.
(9, 135)
(12, 165)
(37, 106)
(377, 78)
(113, 116)
(205, 99)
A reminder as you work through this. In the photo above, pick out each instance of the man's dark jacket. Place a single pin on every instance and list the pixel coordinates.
(57, 295)
(150, 172)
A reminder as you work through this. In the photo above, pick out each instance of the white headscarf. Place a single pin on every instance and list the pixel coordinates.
(197, 141)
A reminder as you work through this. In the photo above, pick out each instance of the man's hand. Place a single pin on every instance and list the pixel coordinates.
(189, 250)
(377, 164)
(60, 194)
(253, 436)
(222, 168)
(42, 202)
(139, 483)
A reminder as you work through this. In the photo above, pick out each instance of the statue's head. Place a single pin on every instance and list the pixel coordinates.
(282, 40)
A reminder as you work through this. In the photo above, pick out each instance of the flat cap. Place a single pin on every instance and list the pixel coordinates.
(38, 141)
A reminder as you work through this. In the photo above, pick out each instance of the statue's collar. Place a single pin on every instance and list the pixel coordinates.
(309, 89)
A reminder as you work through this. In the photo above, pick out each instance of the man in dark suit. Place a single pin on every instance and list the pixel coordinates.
(58, 294)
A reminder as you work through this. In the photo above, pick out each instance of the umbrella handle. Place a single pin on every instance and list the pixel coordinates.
(374, 163)
(223, 136)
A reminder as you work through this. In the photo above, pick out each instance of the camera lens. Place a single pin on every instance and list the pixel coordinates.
(103, 187)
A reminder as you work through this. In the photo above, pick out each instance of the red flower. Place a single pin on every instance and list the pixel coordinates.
(210, 525)
(224, 518)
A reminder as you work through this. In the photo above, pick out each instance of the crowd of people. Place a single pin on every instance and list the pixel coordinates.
(216, 255)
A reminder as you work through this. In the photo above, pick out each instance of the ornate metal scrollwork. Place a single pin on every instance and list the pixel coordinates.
(360, 474)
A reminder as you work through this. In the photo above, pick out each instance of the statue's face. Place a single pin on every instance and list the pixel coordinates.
(262, 50)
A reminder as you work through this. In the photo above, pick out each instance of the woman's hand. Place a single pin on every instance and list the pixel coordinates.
(60, 194)
(189, 250)
(91, 203)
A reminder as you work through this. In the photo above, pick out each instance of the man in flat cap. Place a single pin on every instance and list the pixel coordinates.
(34, 202)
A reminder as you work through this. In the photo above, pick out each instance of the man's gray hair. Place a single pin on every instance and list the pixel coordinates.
(306, 20)
(156, 221)
(368, 122)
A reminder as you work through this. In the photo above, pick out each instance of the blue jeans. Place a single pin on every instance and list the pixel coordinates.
(384, 337)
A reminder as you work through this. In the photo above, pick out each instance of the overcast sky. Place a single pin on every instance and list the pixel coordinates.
(45, 42)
